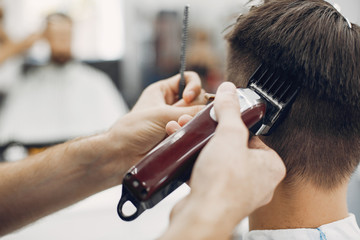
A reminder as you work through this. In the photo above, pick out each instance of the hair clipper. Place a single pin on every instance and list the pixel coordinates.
(263, 103)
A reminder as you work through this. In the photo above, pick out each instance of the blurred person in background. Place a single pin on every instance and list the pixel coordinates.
(166, 47)
(201, 58)
(61, 99)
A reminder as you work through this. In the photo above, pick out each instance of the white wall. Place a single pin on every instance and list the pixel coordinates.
(349, 8)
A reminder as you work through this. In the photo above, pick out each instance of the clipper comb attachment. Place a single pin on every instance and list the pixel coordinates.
(279, 91)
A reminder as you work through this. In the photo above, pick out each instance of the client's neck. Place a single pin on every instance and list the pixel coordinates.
(303, 207)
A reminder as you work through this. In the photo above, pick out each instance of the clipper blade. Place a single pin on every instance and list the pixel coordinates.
(279, 90)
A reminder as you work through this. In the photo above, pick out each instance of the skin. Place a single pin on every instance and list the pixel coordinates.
(58, 33)
(306, 206)
(231, 166)
(65, 174)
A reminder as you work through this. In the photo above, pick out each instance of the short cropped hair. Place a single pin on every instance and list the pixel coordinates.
(58, 16)
(319, 140)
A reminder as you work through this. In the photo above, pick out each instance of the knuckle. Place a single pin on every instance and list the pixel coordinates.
(229, 99)
(191, 73)
(153, 86)
(192, 77)
(268, 198)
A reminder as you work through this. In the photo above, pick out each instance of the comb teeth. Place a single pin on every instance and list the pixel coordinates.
(184, 40)
(274, 84)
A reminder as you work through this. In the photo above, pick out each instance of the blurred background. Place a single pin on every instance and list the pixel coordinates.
(70, 68)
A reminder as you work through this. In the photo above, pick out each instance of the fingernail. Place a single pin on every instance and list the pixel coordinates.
(227, 87)
(190, 95)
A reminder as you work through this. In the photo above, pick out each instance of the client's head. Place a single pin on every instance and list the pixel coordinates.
(319, 140)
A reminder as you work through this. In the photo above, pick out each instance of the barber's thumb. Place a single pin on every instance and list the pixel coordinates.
(226, 102)
(178, 207)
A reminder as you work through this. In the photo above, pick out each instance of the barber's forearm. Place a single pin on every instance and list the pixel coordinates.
(56, 178)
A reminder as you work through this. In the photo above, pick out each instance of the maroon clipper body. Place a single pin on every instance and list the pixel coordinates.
(169, 164)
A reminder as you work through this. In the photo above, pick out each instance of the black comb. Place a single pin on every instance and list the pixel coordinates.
(279, 91)
(184, 39)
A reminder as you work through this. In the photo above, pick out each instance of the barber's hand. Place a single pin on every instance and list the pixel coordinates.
(144, 127)
(229, 163)
(231, 177)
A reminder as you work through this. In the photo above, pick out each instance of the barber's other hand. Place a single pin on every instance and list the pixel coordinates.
(231, 177)
(229, 162)
(144, 127)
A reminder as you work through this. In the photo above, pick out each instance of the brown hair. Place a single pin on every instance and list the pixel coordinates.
(58, 16)
(319, 141)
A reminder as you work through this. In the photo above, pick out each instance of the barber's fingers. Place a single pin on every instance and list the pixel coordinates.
(192, 89)
(270, 161)
(256, 143)
(184, 119)
(199, 100)
(170, 113)
(259, 147)
(173, 126)
(193, 86)
(193, 93)
(272, 158)
(179, 206)
(227, 109)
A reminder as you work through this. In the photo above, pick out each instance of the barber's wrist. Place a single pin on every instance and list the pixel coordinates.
(103, 160)
(201, 219)
(213, 214)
